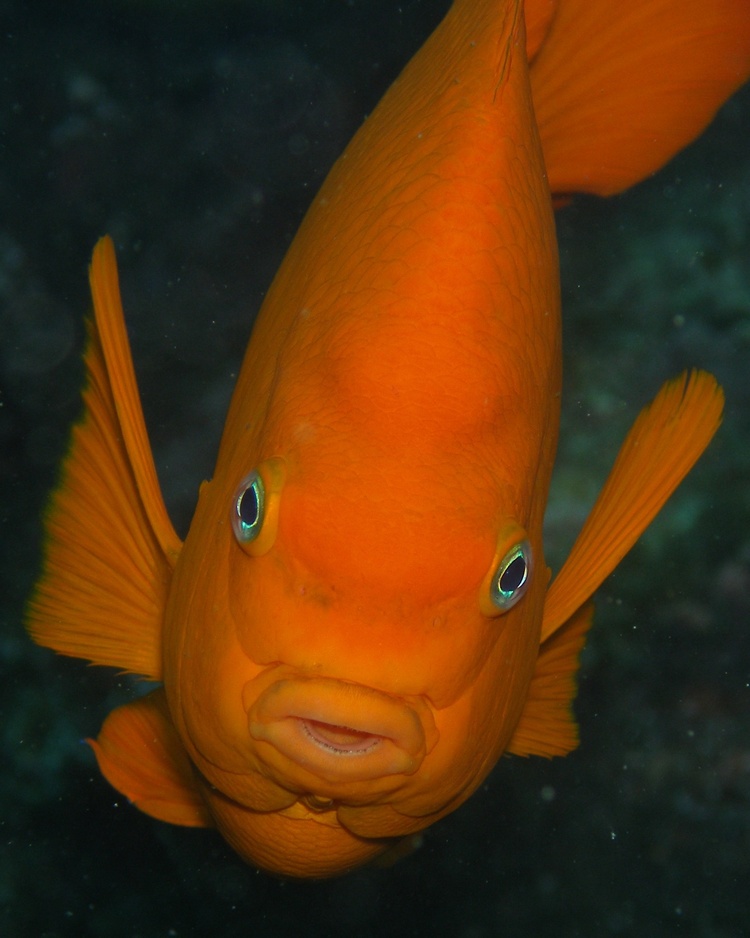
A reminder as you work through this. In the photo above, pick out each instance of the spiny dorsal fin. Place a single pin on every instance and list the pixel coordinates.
(110, 546)
(663, 444)
(141, 755)
(547, 726)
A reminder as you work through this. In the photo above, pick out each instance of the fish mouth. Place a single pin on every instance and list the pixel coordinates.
(340, 740)
(337, 731)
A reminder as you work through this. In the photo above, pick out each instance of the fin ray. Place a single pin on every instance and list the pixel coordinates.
(110, 547)
(141, 755)
(547, 726)
(620, 88)
(663, 444)
(110, 321)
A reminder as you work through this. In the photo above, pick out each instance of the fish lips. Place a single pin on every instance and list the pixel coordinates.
(318, 729)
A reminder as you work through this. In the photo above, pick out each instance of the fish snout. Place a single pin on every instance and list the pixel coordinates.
(338, 731)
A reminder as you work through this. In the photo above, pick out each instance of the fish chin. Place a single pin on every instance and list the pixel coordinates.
(321, 735)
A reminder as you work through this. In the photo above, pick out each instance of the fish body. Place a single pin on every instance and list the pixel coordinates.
(341, 371)
(360, 620)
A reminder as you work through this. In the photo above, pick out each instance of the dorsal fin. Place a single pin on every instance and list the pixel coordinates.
(110, 546)
(141, 755)
(621, 86)
(663, 444)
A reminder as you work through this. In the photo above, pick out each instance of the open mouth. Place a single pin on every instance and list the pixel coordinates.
(341, 740)
(337, 731)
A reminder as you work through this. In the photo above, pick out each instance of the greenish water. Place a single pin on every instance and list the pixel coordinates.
(197, 141)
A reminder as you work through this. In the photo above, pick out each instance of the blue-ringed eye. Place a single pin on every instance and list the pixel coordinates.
(511, 576)
(255, 506)
(510, 572)
(249, 508)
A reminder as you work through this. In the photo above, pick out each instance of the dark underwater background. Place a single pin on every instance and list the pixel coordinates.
(196, 134)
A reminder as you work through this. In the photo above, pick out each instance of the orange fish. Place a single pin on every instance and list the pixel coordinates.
(360, 620)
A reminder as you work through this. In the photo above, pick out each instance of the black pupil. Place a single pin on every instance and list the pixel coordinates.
(513, 575)
(249, 507)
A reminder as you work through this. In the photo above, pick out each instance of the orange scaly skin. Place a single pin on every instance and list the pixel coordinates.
(360, 620)
(349, 360)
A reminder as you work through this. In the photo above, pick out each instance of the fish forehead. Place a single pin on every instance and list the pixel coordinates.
(440, 357)
(389, 531)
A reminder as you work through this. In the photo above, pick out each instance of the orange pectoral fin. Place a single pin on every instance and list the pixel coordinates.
(110, 546)
(620, 87)
(547, 726)
(140, 754)
(663, 444)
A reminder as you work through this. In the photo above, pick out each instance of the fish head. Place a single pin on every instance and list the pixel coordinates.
(353, 639)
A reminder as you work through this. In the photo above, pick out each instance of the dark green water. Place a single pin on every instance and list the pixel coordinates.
(196, 135)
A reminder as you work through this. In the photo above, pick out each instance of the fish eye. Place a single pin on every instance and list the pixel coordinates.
(255, 506)
(249, 508)
(511, 576)
(510, 572)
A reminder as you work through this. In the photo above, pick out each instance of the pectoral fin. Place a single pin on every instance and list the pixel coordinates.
(110, 546)
(665, 441)
(663, 445)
